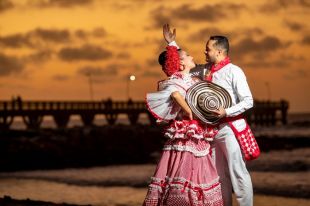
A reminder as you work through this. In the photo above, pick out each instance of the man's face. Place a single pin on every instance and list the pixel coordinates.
(211, 51)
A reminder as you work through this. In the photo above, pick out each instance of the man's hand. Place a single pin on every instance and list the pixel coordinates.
(220, 112)
(168, 35)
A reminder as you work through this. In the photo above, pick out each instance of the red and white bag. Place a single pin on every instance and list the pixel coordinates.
(247, 142)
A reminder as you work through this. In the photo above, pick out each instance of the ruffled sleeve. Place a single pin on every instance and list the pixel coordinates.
(160, 103)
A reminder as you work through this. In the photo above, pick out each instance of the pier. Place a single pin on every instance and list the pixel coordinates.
(32, 112)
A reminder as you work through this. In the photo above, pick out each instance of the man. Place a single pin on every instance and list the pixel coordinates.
(229, 161)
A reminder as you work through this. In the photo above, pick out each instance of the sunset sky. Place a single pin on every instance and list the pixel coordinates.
(49, 46)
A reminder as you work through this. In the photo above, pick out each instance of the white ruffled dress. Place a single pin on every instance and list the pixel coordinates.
(185, 174)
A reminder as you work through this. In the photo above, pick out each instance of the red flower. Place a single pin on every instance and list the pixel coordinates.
(172, 63)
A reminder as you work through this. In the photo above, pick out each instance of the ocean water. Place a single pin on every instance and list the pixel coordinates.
(298, 117)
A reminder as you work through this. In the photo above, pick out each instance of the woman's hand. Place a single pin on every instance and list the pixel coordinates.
(168, 35)
(190, 114)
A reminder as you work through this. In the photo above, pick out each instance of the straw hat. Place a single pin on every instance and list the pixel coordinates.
(205, 97)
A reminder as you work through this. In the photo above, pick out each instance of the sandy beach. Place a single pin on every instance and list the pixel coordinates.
(124, 185)
(104, 196)
(127, 184)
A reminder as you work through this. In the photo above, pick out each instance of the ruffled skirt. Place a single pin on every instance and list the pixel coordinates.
(185, 175)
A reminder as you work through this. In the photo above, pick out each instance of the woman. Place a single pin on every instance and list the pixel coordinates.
(185, 174)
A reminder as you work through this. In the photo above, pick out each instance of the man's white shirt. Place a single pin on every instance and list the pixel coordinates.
(233, 79)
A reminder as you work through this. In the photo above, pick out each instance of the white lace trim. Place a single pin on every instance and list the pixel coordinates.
(185, 130)
(206, 189)
(185, 148)
(187, 78)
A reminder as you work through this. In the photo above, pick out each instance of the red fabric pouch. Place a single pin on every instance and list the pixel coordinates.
(247, 142)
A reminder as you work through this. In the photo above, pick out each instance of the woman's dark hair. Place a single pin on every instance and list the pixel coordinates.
(221, 42)
(162, 58)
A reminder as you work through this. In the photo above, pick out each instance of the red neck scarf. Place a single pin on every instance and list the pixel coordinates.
(219, 66)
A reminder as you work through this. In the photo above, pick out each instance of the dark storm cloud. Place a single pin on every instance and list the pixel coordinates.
(294, 26)
(5, 5)
(248, 32)
(250, 46)
(276, 5)
(35, 37)
(123, 55)
(203, 35)
(304, 3)
(15, 41)
(160, 16)
(86, 52)
(211, 13)
(113, 68)
(81, 34)
(208, 12)
(123, 5)
(51, 35)
(63, 3)
(60, 77)
(306, 40)
(9, 65)
(39, 56)
(39, 36)
(98, 71)
(99, 32)
(297, 74)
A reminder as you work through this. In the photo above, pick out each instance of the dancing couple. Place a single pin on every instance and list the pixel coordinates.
(201, 164)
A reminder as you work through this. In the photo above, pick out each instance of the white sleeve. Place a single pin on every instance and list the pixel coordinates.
(242, 90)
(173, 43)
(161, 105)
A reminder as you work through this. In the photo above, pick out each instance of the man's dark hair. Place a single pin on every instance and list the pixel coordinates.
(221, 42)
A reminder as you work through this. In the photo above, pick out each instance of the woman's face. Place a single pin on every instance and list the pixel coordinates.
(187, 60)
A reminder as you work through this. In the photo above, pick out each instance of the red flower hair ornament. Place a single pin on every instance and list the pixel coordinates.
(172, 63)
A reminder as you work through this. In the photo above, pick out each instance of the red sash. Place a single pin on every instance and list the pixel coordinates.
(215, 68)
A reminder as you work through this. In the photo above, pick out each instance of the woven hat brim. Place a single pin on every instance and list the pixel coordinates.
(204, 97)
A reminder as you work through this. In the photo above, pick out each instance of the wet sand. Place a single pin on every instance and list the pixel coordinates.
(103, 196)
(127, 185)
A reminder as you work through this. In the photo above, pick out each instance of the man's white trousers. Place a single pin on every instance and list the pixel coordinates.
(231, 168)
